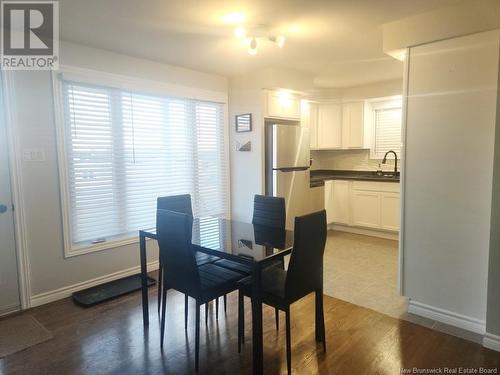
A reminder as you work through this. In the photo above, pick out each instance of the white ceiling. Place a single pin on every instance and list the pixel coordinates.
(338, 41)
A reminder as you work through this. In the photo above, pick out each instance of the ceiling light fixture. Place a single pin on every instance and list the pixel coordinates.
(259, 32)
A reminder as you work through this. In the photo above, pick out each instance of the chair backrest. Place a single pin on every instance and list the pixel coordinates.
(305, 270)
(177, 203)
(269, 211)
(174, 231)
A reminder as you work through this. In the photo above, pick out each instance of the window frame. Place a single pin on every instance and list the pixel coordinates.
(371, 105)
(139, 85)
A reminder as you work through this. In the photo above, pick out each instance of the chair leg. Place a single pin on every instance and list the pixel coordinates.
(186, 307)
(206, 313)
(217, 308)
(163, 313)
(277, 318)
(288, 341)
(241, 320)
(225, 303)
(160, 277)
(197, 337)
(322, 319)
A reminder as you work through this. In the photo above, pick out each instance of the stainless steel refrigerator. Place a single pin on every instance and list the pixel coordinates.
(287, 166)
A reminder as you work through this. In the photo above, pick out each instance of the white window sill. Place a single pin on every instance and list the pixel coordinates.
(86, 248)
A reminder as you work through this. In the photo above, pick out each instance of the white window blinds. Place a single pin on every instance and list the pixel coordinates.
(125, 149)
(387, 120)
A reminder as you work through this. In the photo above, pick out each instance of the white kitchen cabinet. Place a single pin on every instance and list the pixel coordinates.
(329, 126)
(389, 211)
(281, 104)
(365, 208)
(352, 125)
(309, 119)
(364, 204)
(337, 201)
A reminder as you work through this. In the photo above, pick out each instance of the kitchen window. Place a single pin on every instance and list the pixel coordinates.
(122, 149)
(385, 116)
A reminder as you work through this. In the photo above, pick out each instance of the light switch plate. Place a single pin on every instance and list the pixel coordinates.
(33, 154)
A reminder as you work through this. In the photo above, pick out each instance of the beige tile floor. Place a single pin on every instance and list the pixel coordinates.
(363, 270)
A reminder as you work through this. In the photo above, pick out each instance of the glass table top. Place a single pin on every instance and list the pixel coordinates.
(245, 240)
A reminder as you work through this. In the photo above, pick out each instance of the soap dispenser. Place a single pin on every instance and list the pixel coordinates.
(379, 170)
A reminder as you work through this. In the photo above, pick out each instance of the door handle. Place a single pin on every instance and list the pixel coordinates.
(3, 208)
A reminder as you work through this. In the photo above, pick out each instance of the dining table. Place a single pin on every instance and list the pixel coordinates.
(246, 243)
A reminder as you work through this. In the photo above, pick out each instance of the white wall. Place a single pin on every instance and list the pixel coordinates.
(466, 17)
(451, 118)
(33, 120)
(247, 167)
(493, 314)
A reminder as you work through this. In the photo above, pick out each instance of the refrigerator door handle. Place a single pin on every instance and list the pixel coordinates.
(291, 169)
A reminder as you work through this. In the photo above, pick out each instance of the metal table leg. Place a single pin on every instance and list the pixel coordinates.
(257, 337)
(144, 279)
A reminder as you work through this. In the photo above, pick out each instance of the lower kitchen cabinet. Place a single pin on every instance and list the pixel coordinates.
(337, 201)
(373, 205)
(365, 208)
(389, 211)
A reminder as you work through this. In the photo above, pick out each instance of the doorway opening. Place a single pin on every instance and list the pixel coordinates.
(362, 196)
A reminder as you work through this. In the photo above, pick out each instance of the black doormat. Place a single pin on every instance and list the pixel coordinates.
(113, 289)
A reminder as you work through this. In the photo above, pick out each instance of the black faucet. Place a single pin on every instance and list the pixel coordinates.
(384, 160)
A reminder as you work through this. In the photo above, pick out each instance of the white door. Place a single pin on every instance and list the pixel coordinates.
(9, 295)
(329, 126)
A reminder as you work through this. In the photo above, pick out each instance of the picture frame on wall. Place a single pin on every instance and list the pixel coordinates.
(243, 123)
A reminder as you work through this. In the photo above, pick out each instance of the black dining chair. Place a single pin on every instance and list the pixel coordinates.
(281, 288)
(180, 271)
(268, 212)
(181, 203)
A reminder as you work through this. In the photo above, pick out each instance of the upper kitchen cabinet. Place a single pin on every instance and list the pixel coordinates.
(334, 126)
(282, 105)
(309, 119)
(329, 126)
(352, 125)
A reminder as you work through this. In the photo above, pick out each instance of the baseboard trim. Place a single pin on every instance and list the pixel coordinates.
(491, 341)
(9, 310)
(447, 317)
(366, 232)
(55, 295)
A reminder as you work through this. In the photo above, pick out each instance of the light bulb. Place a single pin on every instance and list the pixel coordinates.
(240, 32)
(280, 41)
(252, 50)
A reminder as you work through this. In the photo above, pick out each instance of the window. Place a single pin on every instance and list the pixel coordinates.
(386, 120)
(123, 149)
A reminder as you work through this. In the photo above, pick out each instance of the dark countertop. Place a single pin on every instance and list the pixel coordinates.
(318, 177)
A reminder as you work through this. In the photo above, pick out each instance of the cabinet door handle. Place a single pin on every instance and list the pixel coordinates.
(3, 208)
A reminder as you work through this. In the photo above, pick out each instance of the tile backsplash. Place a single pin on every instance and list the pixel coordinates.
(356, 160)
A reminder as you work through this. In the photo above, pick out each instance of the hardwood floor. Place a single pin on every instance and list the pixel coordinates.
(110, 339)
